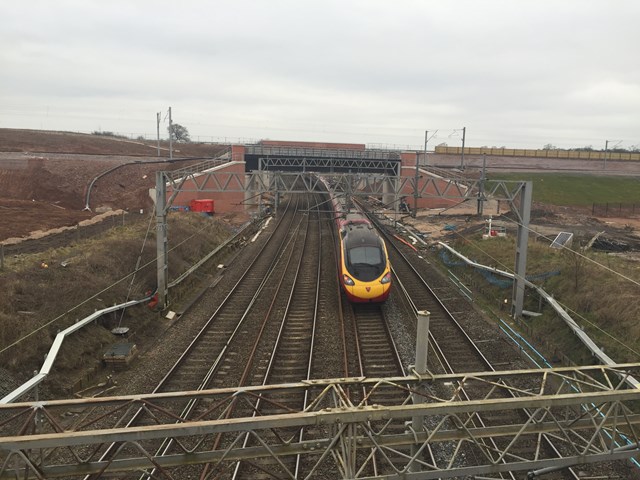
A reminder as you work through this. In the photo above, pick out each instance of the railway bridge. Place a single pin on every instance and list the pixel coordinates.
(397, 170)
(244, 177)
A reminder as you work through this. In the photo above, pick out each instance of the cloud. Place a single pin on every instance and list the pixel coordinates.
(514, 73)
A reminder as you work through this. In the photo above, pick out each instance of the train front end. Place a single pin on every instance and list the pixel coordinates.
(365, 272)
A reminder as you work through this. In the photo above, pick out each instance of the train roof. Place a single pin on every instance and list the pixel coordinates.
(361, 235)
(352, 219)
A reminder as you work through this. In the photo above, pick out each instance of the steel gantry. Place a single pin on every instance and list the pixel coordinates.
(364, 182)
(587, 411)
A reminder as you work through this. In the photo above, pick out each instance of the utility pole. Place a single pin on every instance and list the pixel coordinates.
(426, 139)
(417, 175)
(464, 130)
(158, 129)
(606, 150)
(483, 178)
(170, 136)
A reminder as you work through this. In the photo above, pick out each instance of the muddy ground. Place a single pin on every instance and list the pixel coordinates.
(44, 179)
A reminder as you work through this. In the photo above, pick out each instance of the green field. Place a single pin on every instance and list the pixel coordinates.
(577, 190)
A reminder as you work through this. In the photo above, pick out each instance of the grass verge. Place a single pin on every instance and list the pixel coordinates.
(89, 275)
(578, 190)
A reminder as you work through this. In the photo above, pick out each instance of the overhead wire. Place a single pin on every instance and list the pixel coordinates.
(133, 277)
(510, 270)
(621, 275)
(600, 329)
(74, 308)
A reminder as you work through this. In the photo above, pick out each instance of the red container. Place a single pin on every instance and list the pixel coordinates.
(205, 205)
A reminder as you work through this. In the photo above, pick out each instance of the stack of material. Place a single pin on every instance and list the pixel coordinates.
(119, 355)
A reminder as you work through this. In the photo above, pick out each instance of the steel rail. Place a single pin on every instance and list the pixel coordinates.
(187, 412)
(281, 337)
(435, 345)
(290, 248)
(110, 450)
(483, 360)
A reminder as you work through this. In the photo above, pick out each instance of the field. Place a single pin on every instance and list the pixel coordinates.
(44, 177)
(568, 189)
(43, 181)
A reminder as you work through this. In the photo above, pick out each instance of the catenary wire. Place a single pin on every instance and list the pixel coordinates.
(72, 309)
(510, 270)
(133, 277)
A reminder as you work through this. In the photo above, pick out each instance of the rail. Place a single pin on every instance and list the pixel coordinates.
(571, 323)
(198, 364)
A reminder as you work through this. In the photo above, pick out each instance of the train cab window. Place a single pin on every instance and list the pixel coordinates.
(365, 256)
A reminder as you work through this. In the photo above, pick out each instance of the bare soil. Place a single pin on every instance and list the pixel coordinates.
(44, 177)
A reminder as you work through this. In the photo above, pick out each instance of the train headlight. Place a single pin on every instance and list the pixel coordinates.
(348, 280)
(386, 278)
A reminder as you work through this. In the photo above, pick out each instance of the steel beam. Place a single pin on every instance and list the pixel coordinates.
(517, 194)
(586, 409)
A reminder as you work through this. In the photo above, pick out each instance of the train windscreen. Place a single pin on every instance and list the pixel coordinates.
(365, 255)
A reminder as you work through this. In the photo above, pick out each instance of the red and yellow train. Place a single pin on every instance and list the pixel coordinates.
(363, 265)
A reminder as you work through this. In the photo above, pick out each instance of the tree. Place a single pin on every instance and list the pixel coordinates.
(179, 133)
(549, 146)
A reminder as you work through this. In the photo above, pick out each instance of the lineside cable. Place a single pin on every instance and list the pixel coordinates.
(510, 270)
(133, 277)
(72, 309)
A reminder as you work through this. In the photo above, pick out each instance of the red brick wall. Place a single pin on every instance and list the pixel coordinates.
(237, 153)
(408, 160)
(223, 201)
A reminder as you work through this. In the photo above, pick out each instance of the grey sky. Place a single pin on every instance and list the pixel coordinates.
(515, 73)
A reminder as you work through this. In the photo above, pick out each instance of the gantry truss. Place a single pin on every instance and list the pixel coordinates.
(586, 411)
(388, 167)
(357, 184)
(390, 187)
(268, 152)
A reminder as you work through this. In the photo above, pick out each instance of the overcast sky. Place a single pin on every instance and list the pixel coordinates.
(514, 73)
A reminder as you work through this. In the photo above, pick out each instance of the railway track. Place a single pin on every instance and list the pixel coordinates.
(208, 354)
(290, 358)
(281, 350)
(457, 352)
(242, 347)
(370, 350)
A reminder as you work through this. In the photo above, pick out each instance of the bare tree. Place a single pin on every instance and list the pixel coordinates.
(179, 133)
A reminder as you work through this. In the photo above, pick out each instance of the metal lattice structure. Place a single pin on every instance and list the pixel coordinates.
(330, 165)
(588, 411)
(267, 151)
(255, 183)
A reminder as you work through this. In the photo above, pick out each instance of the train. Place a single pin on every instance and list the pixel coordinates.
(364, 269)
